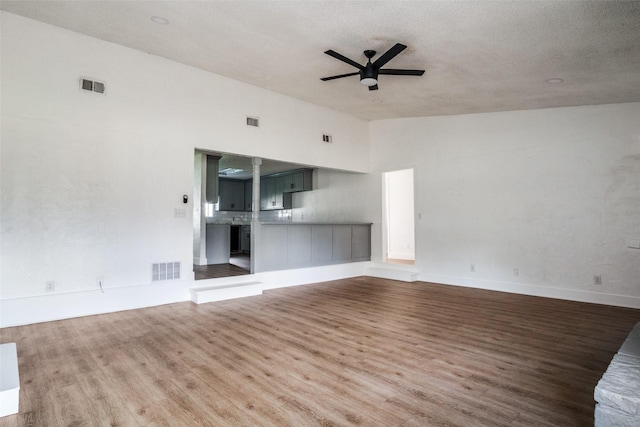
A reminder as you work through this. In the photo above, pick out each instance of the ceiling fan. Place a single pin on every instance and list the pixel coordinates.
(369, 72)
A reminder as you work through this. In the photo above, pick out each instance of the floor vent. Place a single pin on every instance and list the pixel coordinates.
(165, 271)
(253, 121)
(92, 86)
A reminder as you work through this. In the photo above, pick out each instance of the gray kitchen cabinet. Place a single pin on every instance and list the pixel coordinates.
(298, 180)
(245, 239)
(218, 239)
(298, 245)
(342, 237)
(267, 193)
(248, 195)
(275, 245)
(272, 194)
(322, 249)
(231, 195)
(275, 190)
(360, 242)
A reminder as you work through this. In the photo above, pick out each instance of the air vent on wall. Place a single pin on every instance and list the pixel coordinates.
(92, 85)
(253, 121)
(327, 138)
(165, 271)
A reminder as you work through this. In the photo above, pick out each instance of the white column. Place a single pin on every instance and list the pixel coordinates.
(255, 216)
(199, 203)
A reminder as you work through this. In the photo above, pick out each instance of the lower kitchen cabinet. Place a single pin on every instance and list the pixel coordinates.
(296, 245)
(218, 243)
(245, 239)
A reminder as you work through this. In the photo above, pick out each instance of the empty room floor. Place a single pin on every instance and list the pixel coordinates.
(360, 351)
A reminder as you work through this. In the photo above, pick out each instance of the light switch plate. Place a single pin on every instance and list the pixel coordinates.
(179, 213)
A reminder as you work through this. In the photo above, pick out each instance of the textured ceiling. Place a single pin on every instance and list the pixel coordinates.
(480, 56)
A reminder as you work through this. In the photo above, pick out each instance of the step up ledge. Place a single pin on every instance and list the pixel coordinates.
(393, 274)
(9, 380)
(226, 292)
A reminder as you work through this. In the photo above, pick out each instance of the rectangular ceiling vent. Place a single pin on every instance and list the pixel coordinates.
(327, 138)
(165, 271)
(253, 121)
(92, 85)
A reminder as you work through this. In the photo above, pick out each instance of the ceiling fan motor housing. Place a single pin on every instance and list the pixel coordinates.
(369, 72)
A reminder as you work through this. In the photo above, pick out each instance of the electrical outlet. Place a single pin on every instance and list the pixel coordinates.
(516, 272)
(179, 213)
(50, 286)
(472, 268)
(597, 280)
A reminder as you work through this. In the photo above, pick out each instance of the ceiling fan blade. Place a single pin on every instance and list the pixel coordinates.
(391, 71)
(374, 87)
(344, 59)
(389, 55)
(340, 76)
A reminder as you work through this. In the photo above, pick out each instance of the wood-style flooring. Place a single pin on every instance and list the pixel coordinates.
(361, 351)
(238, 265)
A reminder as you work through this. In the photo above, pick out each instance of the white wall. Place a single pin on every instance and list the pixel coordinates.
(89, 182)
(552, 193)
(340, 196)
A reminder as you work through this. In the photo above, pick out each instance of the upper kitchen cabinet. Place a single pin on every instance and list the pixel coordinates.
(231, 195)
(248, 195)
(272, 193)
(212, 190)
(275, 190)
(298, 180)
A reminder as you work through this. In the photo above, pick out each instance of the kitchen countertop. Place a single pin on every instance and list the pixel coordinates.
(314, 223)
(228, 223)
(287, 223)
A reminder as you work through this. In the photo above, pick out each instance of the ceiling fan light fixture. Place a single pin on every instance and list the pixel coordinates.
(368, 81)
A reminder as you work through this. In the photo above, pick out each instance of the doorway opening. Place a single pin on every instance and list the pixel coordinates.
(220, 248)
(398, 217)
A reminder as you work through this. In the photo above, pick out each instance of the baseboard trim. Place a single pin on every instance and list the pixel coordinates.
(536, 290)
(58, 306)
(46, 308)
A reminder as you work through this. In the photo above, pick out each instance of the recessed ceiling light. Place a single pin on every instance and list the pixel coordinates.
(160, 20)
(554, 81)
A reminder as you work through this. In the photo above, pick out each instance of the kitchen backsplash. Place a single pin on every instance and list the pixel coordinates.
(283, 215)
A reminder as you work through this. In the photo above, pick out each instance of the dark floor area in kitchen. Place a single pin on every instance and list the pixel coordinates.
(239, 264)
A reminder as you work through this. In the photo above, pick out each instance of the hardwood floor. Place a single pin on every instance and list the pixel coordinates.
(239, 265)
(361, 351)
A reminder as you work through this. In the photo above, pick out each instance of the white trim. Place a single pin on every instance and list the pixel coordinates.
(45, 308)
(57, 306)
(536, 290)
(200, 261)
